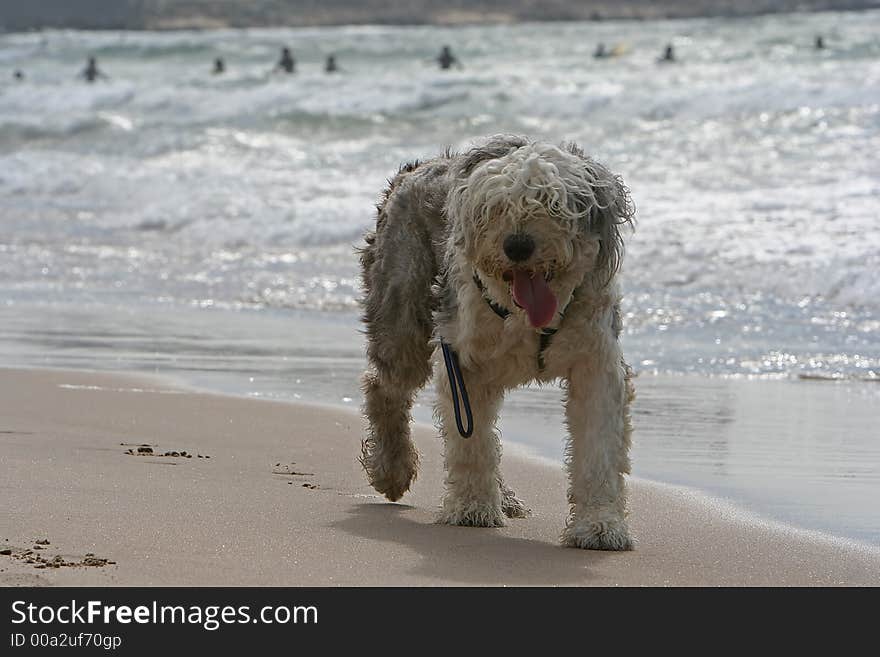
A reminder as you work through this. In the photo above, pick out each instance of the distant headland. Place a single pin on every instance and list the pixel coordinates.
(16, 15)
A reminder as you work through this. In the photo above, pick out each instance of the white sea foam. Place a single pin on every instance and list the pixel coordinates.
(752, 162)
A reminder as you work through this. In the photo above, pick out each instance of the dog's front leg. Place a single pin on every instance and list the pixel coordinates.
(473, 495)
(597, 455)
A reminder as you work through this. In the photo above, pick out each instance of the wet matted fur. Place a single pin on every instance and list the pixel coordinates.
(535, 229)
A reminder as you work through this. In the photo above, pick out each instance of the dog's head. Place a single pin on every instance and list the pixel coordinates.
(535, 220)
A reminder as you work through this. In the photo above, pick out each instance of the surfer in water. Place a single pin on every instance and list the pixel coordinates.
(668, 55)
(446, 59)
(219, 66)
(92, 72)
(286, 63)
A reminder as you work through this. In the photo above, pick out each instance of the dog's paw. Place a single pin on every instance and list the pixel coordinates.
(597, 535)
(471, 514)
(512, 506)
(393, 484)
(390, 474)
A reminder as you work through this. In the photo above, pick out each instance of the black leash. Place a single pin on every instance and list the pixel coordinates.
(453, 371)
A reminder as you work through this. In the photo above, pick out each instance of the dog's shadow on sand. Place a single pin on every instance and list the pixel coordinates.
(472, 555)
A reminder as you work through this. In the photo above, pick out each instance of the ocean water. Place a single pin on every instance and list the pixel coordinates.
(169, 220)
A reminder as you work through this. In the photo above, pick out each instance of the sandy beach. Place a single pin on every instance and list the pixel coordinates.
(270, 493)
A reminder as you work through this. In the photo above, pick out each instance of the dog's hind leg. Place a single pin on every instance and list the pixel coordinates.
(599, 393)
(388, 454)
(473, 494)
(397, 314)
(399, 358)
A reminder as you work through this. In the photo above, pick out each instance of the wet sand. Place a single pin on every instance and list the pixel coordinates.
(127, 481)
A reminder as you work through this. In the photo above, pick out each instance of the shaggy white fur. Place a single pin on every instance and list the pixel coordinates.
(533, 228)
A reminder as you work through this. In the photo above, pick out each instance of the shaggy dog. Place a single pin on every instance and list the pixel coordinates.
(507, 254)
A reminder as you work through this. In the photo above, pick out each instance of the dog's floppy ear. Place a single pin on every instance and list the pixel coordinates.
(608, 207)
(493, 148)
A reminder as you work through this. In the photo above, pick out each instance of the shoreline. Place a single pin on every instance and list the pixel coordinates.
(282, 501)
(707, 434)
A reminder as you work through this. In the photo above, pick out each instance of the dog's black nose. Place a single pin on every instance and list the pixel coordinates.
(519, 246)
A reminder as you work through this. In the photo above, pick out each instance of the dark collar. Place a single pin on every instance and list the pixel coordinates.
(498, 309)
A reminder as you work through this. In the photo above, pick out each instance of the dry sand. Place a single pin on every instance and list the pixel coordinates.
(282, 501)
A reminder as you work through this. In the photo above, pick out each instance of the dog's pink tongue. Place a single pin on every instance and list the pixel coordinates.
(533, 295)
